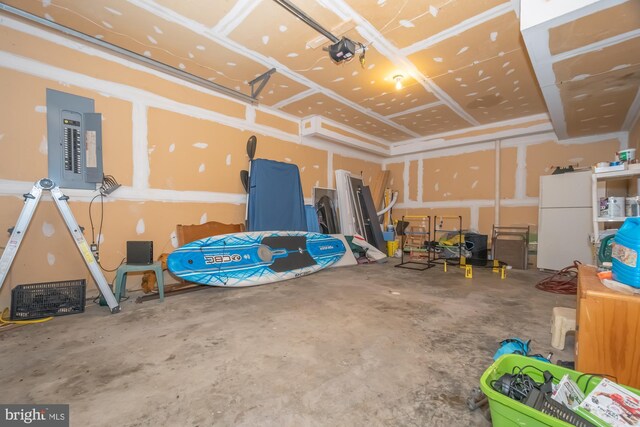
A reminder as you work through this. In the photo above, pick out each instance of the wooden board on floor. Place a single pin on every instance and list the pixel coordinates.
(378, 186)
(190, 233)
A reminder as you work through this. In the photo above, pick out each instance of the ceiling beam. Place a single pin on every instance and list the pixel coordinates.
(599, 45)
(297, 97)
(455, 30)
(540, 12)
(316, 129)
(438, 142)
(365, 136)
(238, 13)
(415, 109)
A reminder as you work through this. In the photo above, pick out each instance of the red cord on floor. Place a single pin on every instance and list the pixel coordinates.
(563, 282)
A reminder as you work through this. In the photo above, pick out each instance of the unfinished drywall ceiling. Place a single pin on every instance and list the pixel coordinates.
(408, 23)
(462, 63)
(490, 78)
(597, 89)
(587, 60)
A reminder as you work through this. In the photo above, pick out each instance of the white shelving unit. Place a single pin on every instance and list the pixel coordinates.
(607, 177)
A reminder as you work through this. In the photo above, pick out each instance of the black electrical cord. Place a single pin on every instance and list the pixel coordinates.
(93, 237)
(108, 270)
(592, 376)
(113, 269)
(109, 184)
(543, 372)
(521, 369)
(101, 221)
(518, 385)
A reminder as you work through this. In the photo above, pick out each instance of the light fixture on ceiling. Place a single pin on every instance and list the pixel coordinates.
(398, 79)
(342, 50)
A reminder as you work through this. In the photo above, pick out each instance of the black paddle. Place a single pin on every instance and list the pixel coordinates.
(252, 143)
(244, 178)
(251, 147)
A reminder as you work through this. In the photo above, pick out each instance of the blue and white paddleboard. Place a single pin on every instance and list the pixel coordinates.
(256, 258)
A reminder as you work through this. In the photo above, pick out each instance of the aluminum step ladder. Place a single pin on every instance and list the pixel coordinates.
(31, 201)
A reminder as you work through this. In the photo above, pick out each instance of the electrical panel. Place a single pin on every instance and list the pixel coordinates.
(74, 141)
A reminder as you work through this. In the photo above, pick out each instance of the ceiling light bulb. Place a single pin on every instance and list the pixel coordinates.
(398, 80)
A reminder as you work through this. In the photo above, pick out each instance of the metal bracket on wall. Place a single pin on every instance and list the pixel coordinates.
(131, 55)
(262, 79)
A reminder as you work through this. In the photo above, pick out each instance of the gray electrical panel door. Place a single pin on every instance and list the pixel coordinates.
(92, 147)
(74, 134)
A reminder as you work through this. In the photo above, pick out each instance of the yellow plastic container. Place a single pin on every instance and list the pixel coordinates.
(392, 247)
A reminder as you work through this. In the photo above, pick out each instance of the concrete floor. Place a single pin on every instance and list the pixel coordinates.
(368, 345)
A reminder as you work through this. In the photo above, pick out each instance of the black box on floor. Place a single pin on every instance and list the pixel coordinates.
(139, 252)
(477, 244)
(38, 300)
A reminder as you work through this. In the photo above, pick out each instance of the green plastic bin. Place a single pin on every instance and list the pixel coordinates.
(506, 412)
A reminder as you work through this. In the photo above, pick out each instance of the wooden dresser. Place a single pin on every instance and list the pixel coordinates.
(608, 330)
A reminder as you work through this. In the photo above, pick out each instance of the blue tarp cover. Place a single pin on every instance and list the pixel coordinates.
(276, 202)
(312, 219)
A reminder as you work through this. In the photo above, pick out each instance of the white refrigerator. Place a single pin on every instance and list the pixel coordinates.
(564, 220)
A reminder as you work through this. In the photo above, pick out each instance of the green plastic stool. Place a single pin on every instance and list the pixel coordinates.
(121, 278)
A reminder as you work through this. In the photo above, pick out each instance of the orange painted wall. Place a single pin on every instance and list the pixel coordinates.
(358, 167)
(413, 181)
(464, 183)
(459, 177)
(451, 222)
(486, 220)
(542, 157)
(508, 168)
